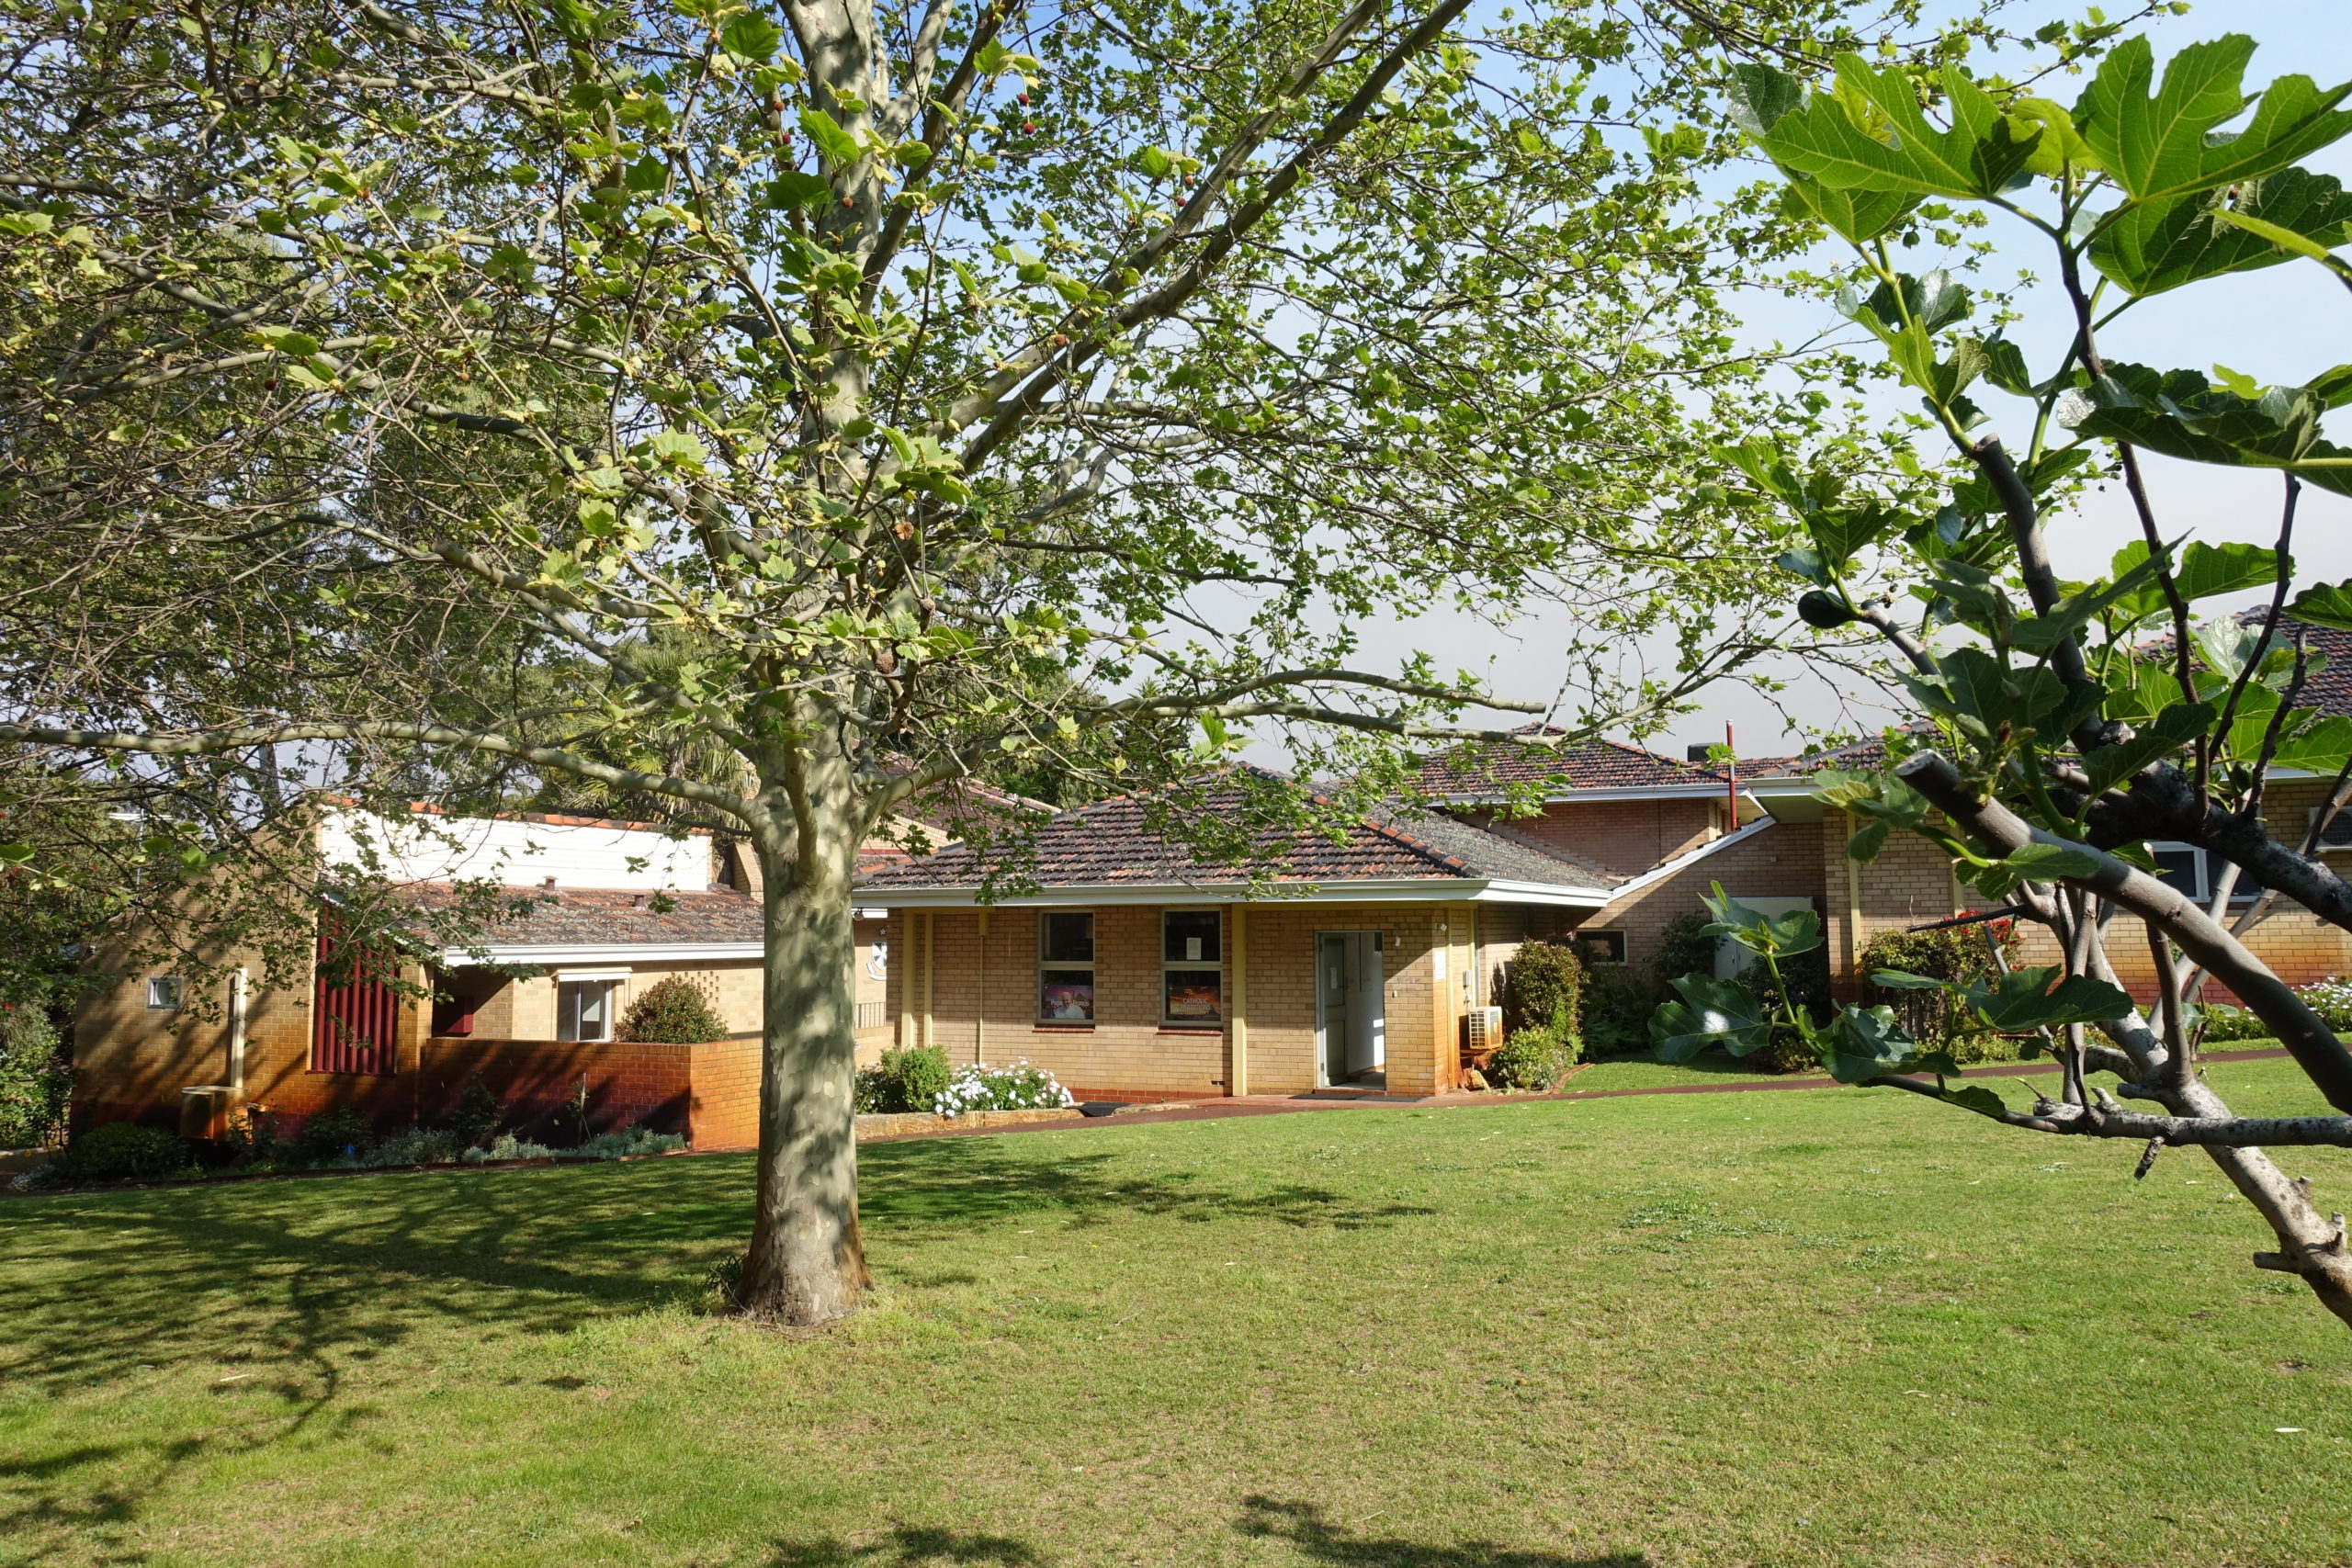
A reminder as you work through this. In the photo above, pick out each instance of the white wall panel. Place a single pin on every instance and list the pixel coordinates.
(518, 853)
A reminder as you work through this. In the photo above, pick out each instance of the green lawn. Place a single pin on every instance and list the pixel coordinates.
(1644, 1072)
(1819, 1327)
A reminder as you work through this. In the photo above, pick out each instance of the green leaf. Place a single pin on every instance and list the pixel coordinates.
(1840, 533)
(1760, 96)
(679, 448)
(1899, 980)
(796, 187)
(838, 146)
(1859, 215)
(2169, 143)
(2026, 998)
(2173, 728)
(2318, 748)
(2181, 415)
(2325, 604)
(1157, 162)
(1868, 133)
(1977, 1098)
(302, 345)
(2150, 247)
(2207, 570)
(751, 36)
(1710, 1012)
(2050, 862)
(1797, 930)
(2070, 614)
(2061, 147)
(1866, 1043)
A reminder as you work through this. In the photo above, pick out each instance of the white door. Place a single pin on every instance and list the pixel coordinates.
(1351, 1014)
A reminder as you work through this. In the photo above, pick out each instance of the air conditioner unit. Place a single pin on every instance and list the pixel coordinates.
(1485, 1030)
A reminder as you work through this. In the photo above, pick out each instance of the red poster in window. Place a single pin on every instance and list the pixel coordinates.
(355, 1025)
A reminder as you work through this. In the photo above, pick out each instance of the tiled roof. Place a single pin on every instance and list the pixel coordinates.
(1487, 767)
(2328, 689)
(1113, 842)
(596, 918)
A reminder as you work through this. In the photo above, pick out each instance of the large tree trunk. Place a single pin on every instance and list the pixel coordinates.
(807, 1264)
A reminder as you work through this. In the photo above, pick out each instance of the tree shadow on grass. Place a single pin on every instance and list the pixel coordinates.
(952, 1183)
(1318, 1541)
(292, 1276)
(908, 1547)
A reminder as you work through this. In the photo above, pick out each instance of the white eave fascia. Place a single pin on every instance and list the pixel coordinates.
(568, 953)
(1682, 863)
(1780, 785)
(1369, 890)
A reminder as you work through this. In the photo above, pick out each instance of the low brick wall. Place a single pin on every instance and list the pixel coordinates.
(708, 1093)
(914, 1123)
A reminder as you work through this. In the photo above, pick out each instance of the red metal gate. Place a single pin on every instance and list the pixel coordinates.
(354, 1026)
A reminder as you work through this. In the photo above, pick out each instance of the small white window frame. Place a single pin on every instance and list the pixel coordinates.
(166, 993)
(569, 1009)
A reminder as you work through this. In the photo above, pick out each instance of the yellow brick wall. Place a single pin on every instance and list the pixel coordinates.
(1783, 861)
(983, 997)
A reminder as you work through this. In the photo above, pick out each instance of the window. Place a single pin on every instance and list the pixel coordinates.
(163, 991)
(2187, 868)
(1191, 973)
(1065, 968)
(584, 1009)
(1600, 947)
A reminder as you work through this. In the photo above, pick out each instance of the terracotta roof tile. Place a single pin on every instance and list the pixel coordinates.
(601, 917)
(1488, 768)
(1114, 843)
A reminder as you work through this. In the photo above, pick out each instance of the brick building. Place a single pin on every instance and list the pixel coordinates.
(1133, 971)
(531, 1006)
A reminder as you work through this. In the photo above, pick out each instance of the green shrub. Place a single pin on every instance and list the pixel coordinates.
(333, 1135)
(251, 1137)
(1534, 1058)
(506, 1145)
(1544, 989)
(1616, 1007)
(1683, 948)
(2223, 1023)
(418, 1145)
(35, 1082)
(1958, 955)
(120, 1151)
(673, 1011)
(622, 1143)
(477, 1115)
(910, 1078)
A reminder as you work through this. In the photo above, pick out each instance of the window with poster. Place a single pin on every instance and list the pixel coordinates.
(1192, 968)
(1066, 967)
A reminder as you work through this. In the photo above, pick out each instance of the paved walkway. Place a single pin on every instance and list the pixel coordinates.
(1284, 1104)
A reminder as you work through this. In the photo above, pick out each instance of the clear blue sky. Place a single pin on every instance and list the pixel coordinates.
(2282, 324)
